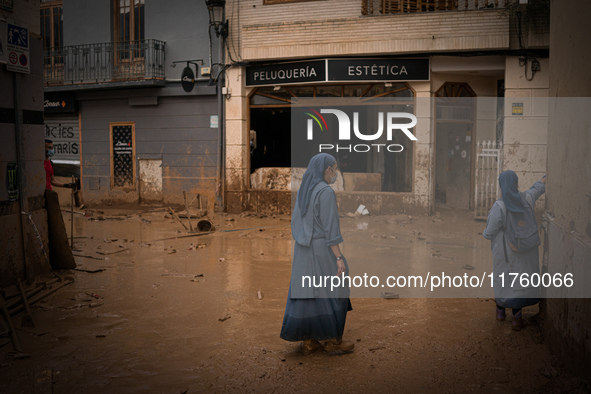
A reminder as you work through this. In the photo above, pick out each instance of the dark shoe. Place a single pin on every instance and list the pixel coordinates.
(334, 345)
(501, 314)
(517, 324)
(309, 346)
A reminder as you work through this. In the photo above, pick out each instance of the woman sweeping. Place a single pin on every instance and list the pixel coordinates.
(513, 215)
(317, 313)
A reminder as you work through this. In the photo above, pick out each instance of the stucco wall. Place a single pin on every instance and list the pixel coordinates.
(525, 137)
(332, 28)
(568, 321)
(87, 22)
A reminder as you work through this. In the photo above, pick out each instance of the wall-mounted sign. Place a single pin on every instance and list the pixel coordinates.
(517, 109)
(286, 73)
(341, 70)
(17, 46)
(59, 103)
(187, 79)
(378, 69)
(213, 122)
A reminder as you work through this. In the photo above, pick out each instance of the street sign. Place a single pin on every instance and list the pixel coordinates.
(17, 46)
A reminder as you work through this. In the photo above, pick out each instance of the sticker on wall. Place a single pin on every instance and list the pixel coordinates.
(457, 147)
(517, 109)
(11, 181)
(468, 138)
(463, 154)
(451, 152)
(213, 122)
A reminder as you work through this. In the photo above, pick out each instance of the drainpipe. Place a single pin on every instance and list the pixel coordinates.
(20, 168)
(221, 118)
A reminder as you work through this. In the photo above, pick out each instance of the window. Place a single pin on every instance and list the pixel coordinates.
(403, 6)
(129, 29)
(270, 124)
(266, 2)
(52, 31)
(129, 20)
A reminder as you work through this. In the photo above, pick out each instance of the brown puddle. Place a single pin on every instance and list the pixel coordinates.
(183, 315)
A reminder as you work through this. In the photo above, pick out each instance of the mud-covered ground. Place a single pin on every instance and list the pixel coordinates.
(183, 315)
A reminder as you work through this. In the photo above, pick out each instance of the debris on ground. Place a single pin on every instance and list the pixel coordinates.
(193, 246)
(361, 210)
(176, 274)
(113, 251)
(224, 318)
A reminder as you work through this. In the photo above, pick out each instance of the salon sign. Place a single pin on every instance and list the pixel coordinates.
(338, 70)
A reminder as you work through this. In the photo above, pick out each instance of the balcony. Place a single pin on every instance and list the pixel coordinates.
(385, 7)
(112, 64)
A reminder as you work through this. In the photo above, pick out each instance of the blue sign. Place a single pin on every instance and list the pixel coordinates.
(17, 35)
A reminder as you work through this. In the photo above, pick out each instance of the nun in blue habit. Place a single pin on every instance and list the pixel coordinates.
(317, 313)
(509, 293)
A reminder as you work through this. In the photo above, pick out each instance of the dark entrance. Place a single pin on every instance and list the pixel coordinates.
(270, 138)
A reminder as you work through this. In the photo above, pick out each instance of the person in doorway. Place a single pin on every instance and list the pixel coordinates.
(49, 175)
(315, 314)
(509, 259)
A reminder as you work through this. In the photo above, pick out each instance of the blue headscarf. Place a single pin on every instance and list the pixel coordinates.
(313, 175)
(511, 198)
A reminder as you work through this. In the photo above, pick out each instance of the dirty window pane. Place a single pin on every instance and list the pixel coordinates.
(329, 91)
(302, 91)
(355, 90)
(396, 90)
(263, 100)
(266, 96)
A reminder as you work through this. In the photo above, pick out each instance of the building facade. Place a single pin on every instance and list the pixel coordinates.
(486, 79)
(116, 104)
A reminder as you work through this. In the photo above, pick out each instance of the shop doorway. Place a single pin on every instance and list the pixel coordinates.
(455, 106)
(270, 137)
(270, 132)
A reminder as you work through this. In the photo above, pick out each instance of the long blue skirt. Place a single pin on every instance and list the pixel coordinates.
(314, 318)
(516, 303)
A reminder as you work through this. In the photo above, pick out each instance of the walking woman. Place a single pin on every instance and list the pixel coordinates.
(315, 314)
(512, 210)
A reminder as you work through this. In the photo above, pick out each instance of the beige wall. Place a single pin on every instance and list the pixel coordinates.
(274, 33)
(236, 132)
(525, 137)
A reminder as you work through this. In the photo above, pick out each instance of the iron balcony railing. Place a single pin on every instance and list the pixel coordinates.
(104, 62)
(384, 7)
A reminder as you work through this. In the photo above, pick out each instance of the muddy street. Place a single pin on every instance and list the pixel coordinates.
(177, 314)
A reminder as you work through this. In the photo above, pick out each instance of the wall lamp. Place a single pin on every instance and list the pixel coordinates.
(217, 18)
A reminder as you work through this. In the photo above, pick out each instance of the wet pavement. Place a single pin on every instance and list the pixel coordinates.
(177, 314)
